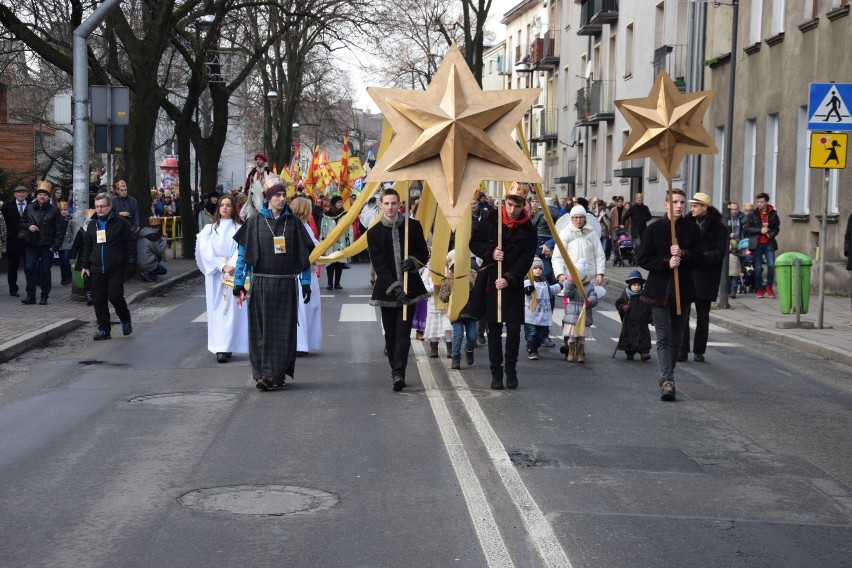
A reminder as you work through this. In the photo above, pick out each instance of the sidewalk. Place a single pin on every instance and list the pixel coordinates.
(758, 317)
(24, 327)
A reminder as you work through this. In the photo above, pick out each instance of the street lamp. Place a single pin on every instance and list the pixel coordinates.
(269, 146)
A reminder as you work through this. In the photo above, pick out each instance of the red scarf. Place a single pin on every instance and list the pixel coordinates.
(516, 222)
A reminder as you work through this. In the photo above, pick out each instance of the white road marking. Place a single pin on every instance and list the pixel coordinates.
(201, 319)
(357, 312)
(326, 295)
(538, 528)
(360, 295)
(493, 545)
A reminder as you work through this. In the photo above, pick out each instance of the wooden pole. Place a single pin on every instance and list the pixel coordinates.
(500, 194)
(674, 242)
(405, 251)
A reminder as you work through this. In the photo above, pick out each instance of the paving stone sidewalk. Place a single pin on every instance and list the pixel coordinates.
(24, 327)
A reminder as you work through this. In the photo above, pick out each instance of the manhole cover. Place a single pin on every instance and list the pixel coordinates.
(185, 398)
(260, 500)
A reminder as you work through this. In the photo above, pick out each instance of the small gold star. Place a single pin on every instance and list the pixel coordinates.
(453, 135)
(666, 125)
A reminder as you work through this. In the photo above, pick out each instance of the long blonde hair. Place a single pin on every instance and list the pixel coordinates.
(301, 208)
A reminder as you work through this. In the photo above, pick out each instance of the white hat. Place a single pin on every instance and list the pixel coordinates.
(578, 211)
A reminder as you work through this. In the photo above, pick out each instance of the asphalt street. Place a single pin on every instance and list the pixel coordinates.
(142, 451)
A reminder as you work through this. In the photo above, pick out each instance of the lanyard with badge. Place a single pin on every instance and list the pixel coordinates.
(101, 234)
(279, 245)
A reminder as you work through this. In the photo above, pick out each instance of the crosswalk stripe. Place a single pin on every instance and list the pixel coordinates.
(357, 312)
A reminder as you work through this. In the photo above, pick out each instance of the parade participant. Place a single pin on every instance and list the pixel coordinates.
(575, 343)
(42, 219)
(660, 257)
(309, 334)
(537, 322)
(253, 187)
(274, 246)
(12, 211)
(437, 326)
(635, 337)
(216, 256)
(125, 206)
(714, 239)
(386, 241)
(464, 328)
(109, 253)
(330, 219)
(516, 255)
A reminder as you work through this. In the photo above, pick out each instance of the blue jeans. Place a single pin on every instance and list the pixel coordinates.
(464, 327)
(65, 264)
(37, 265)
(534, 335)
(158, 270)
(760, 252)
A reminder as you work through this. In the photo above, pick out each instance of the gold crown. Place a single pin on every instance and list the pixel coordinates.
(519, 190)
(270, 181)
(45, 185)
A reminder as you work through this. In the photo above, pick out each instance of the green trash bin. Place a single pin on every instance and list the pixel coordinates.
(786, 281)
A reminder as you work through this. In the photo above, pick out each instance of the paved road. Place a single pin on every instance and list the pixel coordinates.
(143, 452)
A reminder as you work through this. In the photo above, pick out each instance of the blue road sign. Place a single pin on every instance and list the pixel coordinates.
(829, 107)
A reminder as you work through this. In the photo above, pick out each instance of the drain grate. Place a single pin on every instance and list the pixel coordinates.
(260, 500)
(184, 398)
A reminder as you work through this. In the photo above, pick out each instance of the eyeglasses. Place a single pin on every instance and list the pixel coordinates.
(101, 206)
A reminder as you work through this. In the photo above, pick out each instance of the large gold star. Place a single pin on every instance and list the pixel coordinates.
(453, 135)
(666, 125)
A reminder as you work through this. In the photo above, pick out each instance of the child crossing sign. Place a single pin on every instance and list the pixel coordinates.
(828, 150)
(829, 107)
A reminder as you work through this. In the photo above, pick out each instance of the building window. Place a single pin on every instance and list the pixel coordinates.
(608, 159)
(778, 7)
(749, 158)
(811, 10)
(660, 25)
(628, 51)
(719, 161)
(803, 170)
(566, 87)
(593, 161)
(754, 23)
(770, 164)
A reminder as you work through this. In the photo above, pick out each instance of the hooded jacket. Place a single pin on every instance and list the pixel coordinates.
(149, 249)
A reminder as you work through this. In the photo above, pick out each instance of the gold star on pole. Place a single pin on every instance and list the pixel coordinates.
(453, 135)
(666, 125)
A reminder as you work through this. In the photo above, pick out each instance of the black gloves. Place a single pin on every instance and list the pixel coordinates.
(306, 292)
(402, 297)
(239, 291)
(528, 290)
(409, 265)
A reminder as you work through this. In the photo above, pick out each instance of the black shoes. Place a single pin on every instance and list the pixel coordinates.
(263, 384)
(511, 378)
(65, 282)
(645, 356)
(456, 363)
(329, 287)
(667, 391)
(220, 358)
(42, 302)
(398, 383)
(497, 382)
(682, 357)
(699, 357)
(102, 335)
(532, 355)
(630, 356)
(338, 287)
(29, 300)
(126, 328)
(468, 356)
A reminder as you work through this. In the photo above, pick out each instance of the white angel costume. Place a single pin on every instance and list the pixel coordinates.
(227, 324)
(309, 330)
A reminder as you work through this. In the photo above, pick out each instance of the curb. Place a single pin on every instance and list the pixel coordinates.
(808, 346)
(39, 337)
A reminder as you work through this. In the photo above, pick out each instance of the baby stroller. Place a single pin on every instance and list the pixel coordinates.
(746, 257)
(622, 248)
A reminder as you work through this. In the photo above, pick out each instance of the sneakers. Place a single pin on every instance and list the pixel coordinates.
(547, 342)
(699, 357)
(770, 293)
(145, 276)
(532, 354)
(126, 328)
(101, 335)
(759, 293)
(456, 363)
(468, 356)
(667, 391)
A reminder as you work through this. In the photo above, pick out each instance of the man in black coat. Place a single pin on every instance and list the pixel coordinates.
(714, 239)
(386, 243)
(43, 218)
(517, 253)
(638, 216)
(660, 257)
(12, 212)
(109, 252)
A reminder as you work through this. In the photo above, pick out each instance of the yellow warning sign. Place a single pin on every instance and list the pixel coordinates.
(828, 150)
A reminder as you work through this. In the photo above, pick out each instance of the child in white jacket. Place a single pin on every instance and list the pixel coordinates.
(537, 323)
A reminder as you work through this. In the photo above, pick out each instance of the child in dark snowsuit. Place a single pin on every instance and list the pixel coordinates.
(635, 316)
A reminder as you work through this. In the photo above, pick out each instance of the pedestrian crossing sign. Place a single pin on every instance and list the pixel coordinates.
(829, 107)
(828, 150)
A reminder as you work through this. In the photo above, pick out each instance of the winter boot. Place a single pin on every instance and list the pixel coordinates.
(468, 356)
(572, 351)
(449, 349)
(581, 352)
(511, 377)
(434, 346)
(456, 364)
(497, 378)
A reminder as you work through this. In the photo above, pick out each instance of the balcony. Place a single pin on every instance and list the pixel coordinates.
(544, 130)
(570, 177)
(629, 169)
(672, 58)
(543, 53)
(595, 13)
(600, 104)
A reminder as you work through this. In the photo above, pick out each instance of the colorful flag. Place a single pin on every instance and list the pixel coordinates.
(344, 184)
(295, 171)
(311, 176)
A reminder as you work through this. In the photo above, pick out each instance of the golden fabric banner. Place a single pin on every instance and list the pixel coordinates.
(440, 248)
(461, 270)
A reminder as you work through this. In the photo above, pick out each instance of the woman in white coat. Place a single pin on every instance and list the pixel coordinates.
(581, 243)
(216, 256)
(309, 330)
